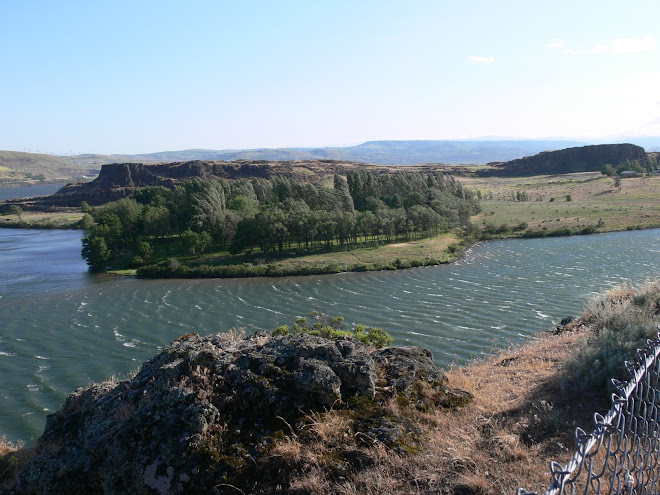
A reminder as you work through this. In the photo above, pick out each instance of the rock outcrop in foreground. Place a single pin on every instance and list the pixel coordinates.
(205, 414)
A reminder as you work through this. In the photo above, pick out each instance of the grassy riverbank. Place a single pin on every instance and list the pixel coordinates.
(575, 201)
(540, 206)
(42, 220)
(444, 248)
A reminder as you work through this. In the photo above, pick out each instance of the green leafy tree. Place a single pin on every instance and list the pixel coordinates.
(86, 222)
(195, 242)
(156, 221)
(145, 250)
(95, 252)
(244, 206)
(111, 229)
(15, 210)
(608, 170)
(189, 239)
(209, 208)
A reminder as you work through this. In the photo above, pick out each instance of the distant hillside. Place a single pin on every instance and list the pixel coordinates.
(16, 166)
(377, 152)
(570, 160)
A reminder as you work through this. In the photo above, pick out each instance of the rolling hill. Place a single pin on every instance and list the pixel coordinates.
(377, 152)
(17, 167)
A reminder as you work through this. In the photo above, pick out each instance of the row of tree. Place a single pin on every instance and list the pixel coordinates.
(278, 214)
(640, 166)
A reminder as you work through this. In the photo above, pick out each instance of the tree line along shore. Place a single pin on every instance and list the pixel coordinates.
(354, 222)
(248, 227)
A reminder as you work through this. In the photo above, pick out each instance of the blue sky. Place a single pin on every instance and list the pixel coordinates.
(137, 77)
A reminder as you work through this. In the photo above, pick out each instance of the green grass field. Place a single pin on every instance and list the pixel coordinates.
(38, 220)
(593, 197)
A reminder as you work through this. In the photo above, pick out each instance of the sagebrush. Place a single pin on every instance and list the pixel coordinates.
(621, 321)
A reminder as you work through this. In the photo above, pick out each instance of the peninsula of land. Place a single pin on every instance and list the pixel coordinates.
(263, 218)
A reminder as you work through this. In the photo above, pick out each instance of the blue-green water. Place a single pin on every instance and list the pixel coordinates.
(61, 328)
(29, 191)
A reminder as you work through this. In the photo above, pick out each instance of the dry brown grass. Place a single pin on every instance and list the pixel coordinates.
(518, 422)
(233, 335)
(593, 197)
(13, 456)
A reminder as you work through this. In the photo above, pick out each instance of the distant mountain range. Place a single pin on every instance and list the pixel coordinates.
(16, 166)
(377, 152)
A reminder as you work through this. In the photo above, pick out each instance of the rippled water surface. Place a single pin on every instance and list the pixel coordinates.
(61, 328)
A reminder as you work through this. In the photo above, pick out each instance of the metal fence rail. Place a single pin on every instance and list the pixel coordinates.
(622, 454)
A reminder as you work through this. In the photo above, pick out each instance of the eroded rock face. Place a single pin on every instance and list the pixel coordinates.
(203, 412)
(569, 160)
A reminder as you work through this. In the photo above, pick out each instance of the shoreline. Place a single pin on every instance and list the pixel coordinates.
(249, 270)
(519, 418)
(451, 253)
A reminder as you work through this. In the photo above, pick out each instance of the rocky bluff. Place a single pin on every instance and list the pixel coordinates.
(204, 415)
(569, 160)
(118, 180)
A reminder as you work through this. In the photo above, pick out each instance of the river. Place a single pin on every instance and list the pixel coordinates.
(29, 191)
(62, 328)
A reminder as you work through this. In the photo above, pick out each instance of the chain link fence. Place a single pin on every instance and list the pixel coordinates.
(622, 454)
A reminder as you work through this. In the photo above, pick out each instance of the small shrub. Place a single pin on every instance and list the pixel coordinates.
(281, 330)
(379, 337)
(323, 325)
(623, 319)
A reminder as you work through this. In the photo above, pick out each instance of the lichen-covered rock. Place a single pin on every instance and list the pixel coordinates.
(201, 414)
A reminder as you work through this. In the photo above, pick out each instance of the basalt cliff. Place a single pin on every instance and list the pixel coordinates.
(118, 180)
(569, 160)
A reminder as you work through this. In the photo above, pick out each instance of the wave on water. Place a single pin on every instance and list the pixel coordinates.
(504, 290)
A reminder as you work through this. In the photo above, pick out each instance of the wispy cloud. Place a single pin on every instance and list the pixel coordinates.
(475, 59)
(620, 46)
(626, 45)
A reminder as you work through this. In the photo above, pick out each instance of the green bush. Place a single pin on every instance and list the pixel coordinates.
(622, 320)
(86, 222)
(322, 325)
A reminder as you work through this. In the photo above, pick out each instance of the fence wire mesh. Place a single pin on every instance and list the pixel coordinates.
(622, 454)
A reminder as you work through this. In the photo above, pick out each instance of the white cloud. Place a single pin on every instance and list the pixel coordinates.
(627, 45)
(474, 59)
